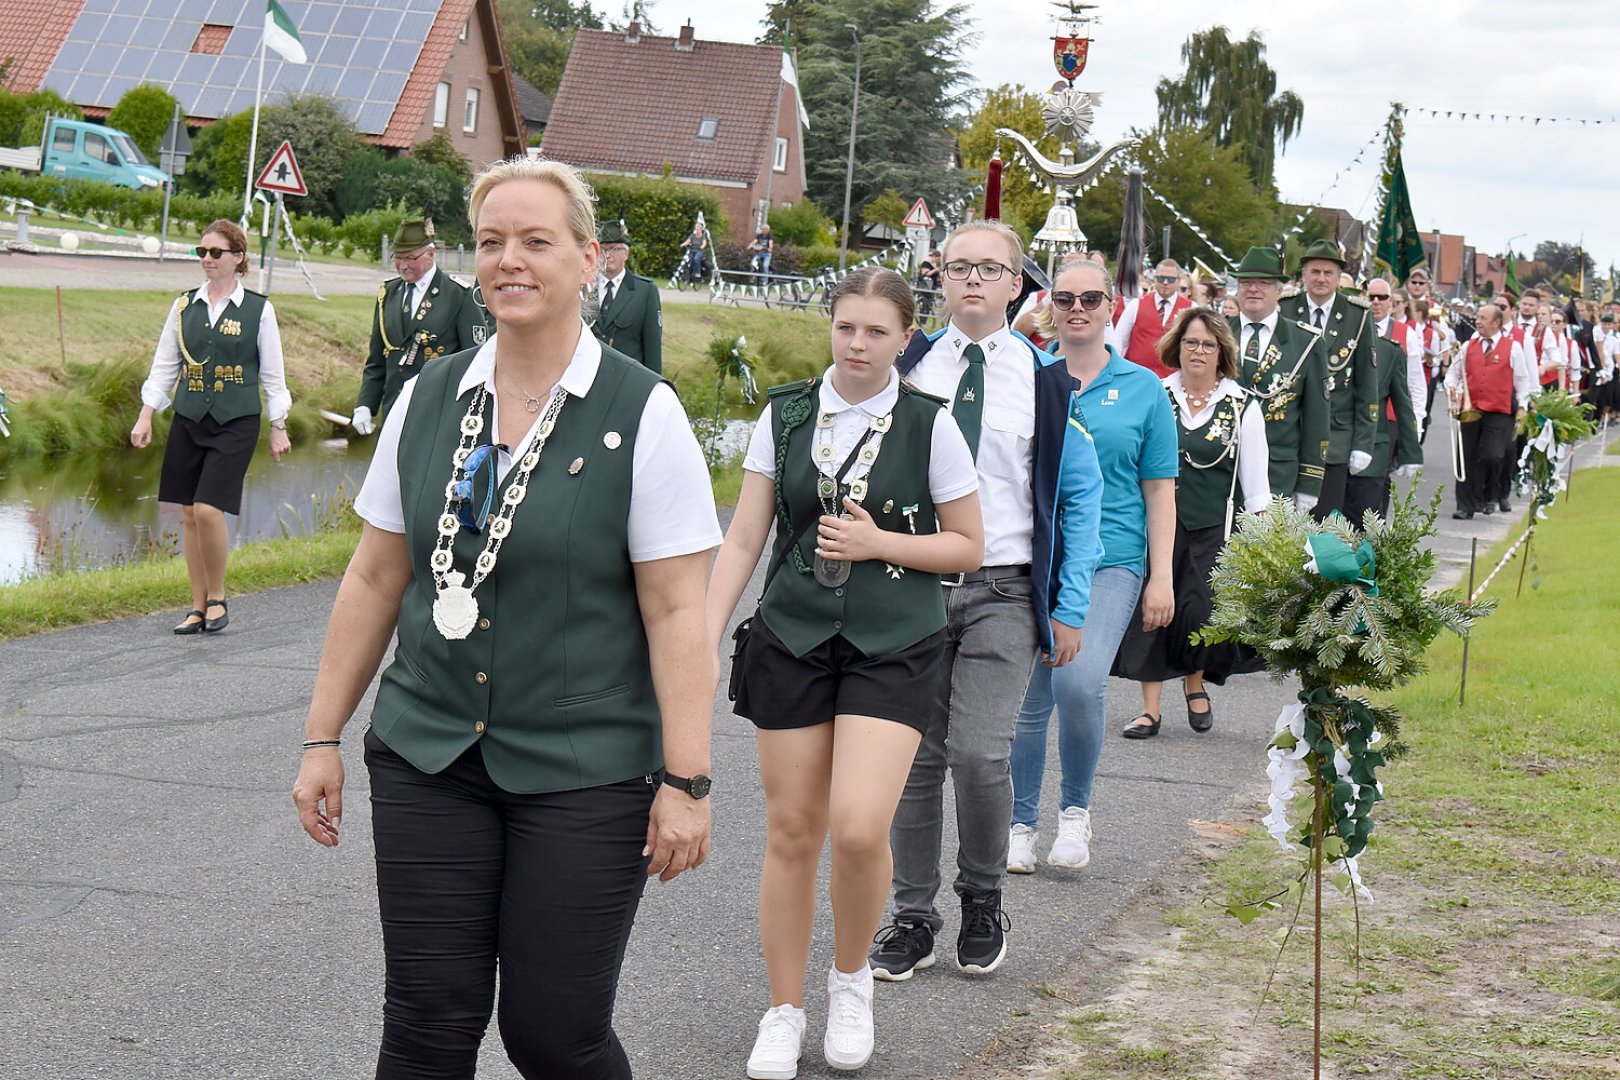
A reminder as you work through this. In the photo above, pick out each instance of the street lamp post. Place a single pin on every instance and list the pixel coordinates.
(849, 167)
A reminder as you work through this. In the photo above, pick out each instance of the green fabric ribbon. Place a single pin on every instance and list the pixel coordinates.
(1335, 560)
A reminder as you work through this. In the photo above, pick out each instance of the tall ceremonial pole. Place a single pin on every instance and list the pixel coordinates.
(253, 141)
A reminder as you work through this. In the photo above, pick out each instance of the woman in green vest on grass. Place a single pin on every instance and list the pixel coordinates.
(873, 492)
(219, 345)
(538, 523)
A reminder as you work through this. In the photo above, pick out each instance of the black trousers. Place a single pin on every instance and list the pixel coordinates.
(1486, 444)
(1332, 495)
(471, 879)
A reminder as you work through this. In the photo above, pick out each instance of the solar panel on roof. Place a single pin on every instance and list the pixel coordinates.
(361, 52)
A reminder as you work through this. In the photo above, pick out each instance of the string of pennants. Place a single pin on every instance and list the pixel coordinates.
(1461, 115)
(1194, 229)
(1299, 222)
(798, 288)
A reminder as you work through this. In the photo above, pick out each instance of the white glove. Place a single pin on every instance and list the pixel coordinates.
(1406, 472)
(362, 421)
(1304, 502)
(1359, 460)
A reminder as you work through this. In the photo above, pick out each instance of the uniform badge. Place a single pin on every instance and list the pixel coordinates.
(479, 331)
(612, 440)
(576, 465)
(967, 395)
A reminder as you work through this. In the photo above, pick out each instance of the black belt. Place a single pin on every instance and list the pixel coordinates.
(984, 573)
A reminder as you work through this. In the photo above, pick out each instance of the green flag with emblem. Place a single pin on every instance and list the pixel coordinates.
(1399, 245)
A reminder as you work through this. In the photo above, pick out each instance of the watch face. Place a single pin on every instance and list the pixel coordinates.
(699, 787)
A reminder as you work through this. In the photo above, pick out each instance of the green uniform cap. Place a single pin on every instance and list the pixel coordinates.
(413, 233)
(613, 232)
(1260, 263)
(1324, 249)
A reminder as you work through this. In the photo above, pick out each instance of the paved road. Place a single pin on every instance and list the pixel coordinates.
(162, 916)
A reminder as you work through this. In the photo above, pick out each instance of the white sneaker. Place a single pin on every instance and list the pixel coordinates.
(779, 1044)
(1021, 850)
(848, 1044)
(1072, 848)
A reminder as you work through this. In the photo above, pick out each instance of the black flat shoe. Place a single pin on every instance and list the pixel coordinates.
(1133, 730)
(223, 621)
(1487, 509)
(187, 627)
(1505, 506)
(1463, 515)
(1200, 721)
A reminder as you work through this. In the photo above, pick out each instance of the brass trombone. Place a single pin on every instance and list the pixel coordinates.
(1462, 412)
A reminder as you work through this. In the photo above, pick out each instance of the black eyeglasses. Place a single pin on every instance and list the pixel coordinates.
(475, 520)
(988, 271)
(214, 253)
(1090, 300)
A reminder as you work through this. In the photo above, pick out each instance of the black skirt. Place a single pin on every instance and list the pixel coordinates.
(1166, 653)
(205, 461)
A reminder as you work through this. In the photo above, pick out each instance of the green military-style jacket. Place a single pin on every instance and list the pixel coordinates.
(447, 320)
(1391, 388)
(634, 323)
(1208, 464)
(554, 683)
(219, 364)
(1346, 379)
(1287, 381)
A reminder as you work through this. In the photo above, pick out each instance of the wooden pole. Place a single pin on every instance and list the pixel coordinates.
(61, 326)
(1316, 870)
(1462, 687)
(1524, 559)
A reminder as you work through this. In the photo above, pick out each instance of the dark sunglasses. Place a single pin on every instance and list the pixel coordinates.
(214, 253)
(475, 520)
(1166, 279)
(1378, 296)
(1089, 301)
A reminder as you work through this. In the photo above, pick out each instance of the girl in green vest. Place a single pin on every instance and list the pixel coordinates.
(219, 345)
(873, 493)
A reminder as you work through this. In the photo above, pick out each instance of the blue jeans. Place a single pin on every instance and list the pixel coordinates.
(1078, 689)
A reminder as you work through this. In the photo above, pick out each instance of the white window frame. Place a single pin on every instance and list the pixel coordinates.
(469, 112)
(779, 159)
(712, 125)
(441, 105)
(463, 35)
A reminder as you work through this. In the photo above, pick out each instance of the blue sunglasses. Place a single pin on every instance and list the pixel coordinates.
(475, 521)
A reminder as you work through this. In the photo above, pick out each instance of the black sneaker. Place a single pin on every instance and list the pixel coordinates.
(982, 943)
(903, 948)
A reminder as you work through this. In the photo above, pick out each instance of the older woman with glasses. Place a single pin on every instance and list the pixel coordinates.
(219, 347)
(1224, 457)
(1124, 408)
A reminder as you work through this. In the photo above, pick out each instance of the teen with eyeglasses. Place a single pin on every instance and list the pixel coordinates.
(219, 347)
(1133, 431)
(1040, 491)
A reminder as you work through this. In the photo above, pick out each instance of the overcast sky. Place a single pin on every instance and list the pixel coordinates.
(1490, 182)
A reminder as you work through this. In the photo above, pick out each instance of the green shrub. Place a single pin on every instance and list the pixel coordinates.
(659, 214)
(217, 156)
(802, 225)
(431, 189)
(440, 151)
(364, 232)
(144, 114)
(39, 105)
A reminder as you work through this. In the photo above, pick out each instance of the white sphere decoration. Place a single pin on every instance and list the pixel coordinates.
(150, 245)
(70, 241)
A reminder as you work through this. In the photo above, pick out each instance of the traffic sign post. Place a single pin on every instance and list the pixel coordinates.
(280, 177)
(919, 225)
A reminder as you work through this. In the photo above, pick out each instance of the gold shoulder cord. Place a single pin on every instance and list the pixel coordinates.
(180, 330)
(382, 323)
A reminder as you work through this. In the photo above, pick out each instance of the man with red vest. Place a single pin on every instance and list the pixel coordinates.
(1380, 294)
(1491, 381)
(1143, 323)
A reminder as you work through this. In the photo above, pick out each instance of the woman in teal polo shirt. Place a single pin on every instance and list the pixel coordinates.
(538, 521)
(1133, 430)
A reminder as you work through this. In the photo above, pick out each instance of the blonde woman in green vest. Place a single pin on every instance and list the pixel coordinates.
(873, 493)
(1224, 465)
(218, 347)
(538, 523)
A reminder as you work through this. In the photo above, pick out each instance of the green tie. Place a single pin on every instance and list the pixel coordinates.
(1251, 351)
(969, 408)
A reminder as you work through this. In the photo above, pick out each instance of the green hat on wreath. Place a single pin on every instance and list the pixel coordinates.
(1260, 264)
(1324, 249)
(413, 233)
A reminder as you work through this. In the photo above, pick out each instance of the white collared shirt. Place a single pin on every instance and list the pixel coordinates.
(1524, 368)
(1254, 454)
(951, 474)
(1268, 330)
(671, 498)
(617, 281)
(157, 391)
(1312, 307)
(1006, 435)
(421, 287)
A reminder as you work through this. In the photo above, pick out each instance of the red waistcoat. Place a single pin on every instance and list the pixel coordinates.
(1490, 377)
(1143, 348)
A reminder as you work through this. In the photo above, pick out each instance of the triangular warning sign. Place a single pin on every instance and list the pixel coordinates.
(281, 173)
(919, 218)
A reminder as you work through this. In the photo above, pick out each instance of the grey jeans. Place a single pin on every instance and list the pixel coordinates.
(990, 653)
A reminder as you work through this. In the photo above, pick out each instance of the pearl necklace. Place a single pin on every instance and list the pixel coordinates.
(455, 609)
(1196, 403)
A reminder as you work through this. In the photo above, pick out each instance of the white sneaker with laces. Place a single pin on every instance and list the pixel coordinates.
(848, 1044)
(1072, 848)
(1021, 850)
(778, 1045)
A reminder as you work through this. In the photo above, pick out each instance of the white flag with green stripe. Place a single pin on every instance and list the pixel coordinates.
(281, 36)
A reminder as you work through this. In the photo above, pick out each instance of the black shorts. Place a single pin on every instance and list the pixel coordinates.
(779, 691)
(205, 461)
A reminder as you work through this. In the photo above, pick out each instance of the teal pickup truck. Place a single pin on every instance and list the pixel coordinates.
(80, 150)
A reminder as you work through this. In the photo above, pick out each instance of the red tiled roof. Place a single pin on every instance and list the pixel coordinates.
(31, 34)
(417, 98)
(634, 107)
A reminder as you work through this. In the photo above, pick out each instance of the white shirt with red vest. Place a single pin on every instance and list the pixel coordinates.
(1407, 337)
(1553, 348)
(1141, 325)
(1500, 375)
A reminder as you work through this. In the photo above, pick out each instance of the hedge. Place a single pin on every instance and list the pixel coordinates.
(659, 215)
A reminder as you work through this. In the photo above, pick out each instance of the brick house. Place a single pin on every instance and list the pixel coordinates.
(718, 113)
(402, 69)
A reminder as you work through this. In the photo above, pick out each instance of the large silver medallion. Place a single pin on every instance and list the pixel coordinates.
(455, 612)
(833, 573)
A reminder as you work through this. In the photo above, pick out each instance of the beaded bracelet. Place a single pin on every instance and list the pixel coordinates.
(322, 742)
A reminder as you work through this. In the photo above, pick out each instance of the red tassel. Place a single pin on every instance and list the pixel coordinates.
(992, 188)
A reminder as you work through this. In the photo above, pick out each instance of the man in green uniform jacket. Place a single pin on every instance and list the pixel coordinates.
(629, 317)
(1281, 362)
(421, 315)
(1346, 381)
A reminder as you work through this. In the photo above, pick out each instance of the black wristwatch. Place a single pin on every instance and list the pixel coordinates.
(697, 787)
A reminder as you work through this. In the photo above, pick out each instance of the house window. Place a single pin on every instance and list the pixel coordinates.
(779, 162)
(463, 34)
(469, 118)
(441, 105)
(707, 127)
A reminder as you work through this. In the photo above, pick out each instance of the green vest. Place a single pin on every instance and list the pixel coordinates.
(555, 682)
(219, 364)
(1205, 479)
(878, 611)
